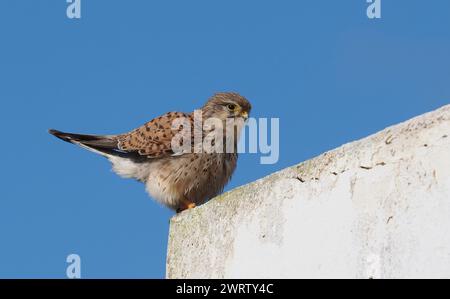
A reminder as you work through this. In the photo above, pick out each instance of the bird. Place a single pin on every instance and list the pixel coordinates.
(178, 169)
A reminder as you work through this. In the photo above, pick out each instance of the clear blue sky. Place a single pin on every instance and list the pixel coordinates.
(328, 72)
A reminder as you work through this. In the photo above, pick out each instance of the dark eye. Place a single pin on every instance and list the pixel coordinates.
(231, 107)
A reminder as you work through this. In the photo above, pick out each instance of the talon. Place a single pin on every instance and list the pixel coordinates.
(186, 205)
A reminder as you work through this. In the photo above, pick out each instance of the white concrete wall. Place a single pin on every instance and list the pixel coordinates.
(378, 207)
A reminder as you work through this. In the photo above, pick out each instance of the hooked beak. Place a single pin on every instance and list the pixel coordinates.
(244, 115)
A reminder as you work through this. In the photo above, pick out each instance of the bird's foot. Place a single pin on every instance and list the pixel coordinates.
(186, 205)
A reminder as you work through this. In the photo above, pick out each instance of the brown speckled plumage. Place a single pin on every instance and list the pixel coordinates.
(146, 154)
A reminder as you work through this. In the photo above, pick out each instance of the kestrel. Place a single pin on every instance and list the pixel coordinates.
(167, 156)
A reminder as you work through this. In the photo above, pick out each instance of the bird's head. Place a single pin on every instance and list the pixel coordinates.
(227, 105)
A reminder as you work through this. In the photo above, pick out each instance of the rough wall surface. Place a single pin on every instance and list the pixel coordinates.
(378, 207)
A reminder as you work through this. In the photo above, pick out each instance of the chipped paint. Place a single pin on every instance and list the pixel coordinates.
(377, 207)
